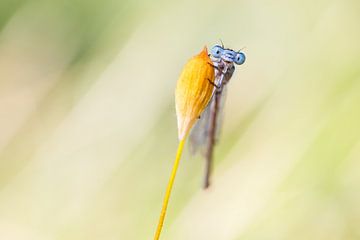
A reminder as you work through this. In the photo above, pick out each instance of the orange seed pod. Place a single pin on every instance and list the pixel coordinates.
(193, 91)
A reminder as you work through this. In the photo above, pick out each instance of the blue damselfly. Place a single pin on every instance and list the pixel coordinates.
(205, 133)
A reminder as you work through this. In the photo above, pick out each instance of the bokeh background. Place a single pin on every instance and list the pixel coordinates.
(88, 127)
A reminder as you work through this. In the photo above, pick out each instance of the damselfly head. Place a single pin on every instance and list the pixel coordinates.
(227, 55)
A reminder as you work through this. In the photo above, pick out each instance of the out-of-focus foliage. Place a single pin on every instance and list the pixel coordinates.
(88, 128)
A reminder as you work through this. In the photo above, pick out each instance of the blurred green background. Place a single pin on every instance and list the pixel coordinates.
(88, 127)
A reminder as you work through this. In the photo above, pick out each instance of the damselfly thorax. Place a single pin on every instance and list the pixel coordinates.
(206, 131)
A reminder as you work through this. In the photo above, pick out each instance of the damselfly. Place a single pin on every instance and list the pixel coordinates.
(205, 133)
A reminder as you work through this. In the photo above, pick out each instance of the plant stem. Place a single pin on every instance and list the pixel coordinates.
(168, 189)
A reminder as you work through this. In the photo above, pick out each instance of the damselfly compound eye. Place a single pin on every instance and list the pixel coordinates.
(216, 51)
(240, 58)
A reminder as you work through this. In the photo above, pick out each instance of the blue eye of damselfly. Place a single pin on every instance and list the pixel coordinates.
(240, 58)
(216, 51)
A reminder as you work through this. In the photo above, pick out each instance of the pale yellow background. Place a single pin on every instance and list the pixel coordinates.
(88, 128)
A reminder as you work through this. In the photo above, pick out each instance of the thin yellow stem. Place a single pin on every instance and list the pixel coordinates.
(168, 189)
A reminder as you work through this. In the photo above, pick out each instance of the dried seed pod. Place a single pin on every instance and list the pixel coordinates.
(193, 91)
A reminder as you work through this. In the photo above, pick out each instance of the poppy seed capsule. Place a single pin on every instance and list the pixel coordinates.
(193, 91)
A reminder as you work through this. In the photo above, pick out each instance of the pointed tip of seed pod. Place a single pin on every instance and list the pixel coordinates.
(193, 91)
(204, 52)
